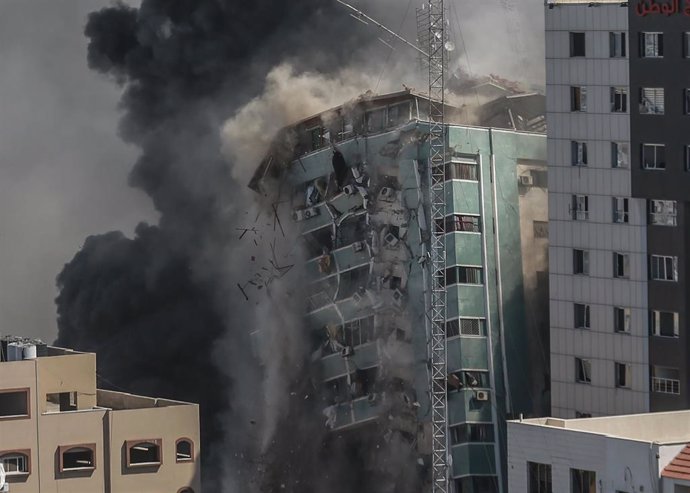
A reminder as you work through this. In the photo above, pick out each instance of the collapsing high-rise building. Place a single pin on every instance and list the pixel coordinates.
(355, 180)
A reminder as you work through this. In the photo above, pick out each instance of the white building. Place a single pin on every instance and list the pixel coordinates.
(643, 453)
(597, 230)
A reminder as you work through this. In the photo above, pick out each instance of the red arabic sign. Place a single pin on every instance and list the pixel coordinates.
(670, 7)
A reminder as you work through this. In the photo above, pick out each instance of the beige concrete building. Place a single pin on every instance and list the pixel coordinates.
(59, 433)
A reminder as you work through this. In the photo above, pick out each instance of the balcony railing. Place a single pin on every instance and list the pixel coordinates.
(666, 385)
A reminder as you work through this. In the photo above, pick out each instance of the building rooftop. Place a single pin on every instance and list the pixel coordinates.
(679, 467)
(662, 428)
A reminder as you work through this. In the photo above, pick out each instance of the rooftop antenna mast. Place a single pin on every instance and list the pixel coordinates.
(433, 46)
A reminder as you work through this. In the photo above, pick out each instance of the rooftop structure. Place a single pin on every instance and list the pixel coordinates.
(354, 182)
(58, 432)
(640, 452)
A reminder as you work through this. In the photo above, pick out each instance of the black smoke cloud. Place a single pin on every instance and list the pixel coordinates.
(161, 309)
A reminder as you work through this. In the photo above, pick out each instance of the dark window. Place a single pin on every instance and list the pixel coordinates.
(580, 262)
(651, 101)
(476, 484)
(663, 268)
(539, 478)
(686, 45)
(580, 414)
(620, 155)
(375, 120)
(15, 463)
(64, 401)
(578, 98)
(620, 209)
(464, 275)
(653, 156)
(622, 375)
(662, 212)
(472, 432)
(583, 370)
(184, 451)
(579, 207)
(462, 171)
(663, 324)
(686, 101)
(77, 457)
(581, 312)
(144, 453)
(621, 319)
(578, 153)
(651, 45)
(583, 481)
(619, 99)
(577, 44)
(621, 265)
(617, 45)
(359, 331)
(316, 138)
(14, 403)
(398, 114)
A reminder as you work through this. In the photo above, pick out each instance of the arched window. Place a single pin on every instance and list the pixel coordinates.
(77, 457)
(184, 450)
(144, 452)
(186, 490)
(16, 462)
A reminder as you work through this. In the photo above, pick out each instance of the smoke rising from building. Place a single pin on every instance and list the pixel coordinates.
(163, 309)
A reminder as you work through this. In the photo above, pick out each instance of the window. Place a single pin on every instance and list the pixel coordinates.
(621, 319)
(466, 327)
(653, 156)
(663, 268)
(472, 432)
(476, 484)
(184, 450)
(662, 212)
(77, 457)
(463, 223)
(651, 101)
(621, 265)
(651, 45)
(16, 462)
(14, 403)
(316, 139)
(540, 229)
(579, 153)
(665, 380)
(577, 44)
(686, 45)
(375, 120)
(461, 170)
(578, 98)
(579, 207)
(581, 414)
(620, 155)
(398, 114)
(539, 478)
(580, 262)
(620, 210)
(144, 452)
(617, 45)
(583, 481)
(581, 314)
(619, 99)
(358, 332)
(583, 370)
(464, 275)
(686, 157)
(64, 401)
(622, 375)
(663, 324)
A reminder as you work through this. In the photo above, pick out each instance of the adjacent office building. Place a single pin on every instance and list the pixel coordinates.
(618, 106)
(58, 432)
(355, 180)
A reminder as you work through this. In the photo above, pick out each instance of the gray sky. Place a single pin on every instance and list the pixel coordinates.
(63, 170)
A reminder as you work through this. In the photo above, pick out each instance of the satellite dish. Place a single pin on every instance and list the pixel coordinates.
(2, 476)
(449, 46)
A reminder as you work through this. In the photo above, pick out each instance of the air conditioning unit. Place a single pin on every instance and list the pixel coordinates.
(372, 398)
(398, 297)
(481, 395)
(347, 351)
(349, 190)
(387, 194)
(357, 298)
(526, 180)
(358, 246)
(304, 214)
(390, 240)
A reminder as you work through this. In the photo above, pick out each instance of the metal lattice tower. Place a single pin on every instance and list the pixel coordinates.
(437, 197)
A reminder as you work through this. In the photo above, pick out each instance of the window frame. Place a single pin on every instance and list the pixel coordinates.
(686, 101)
(652, 213)
(582, 311)
(658, 44)
(656, 147)
(454, 327)
(27, 391)
(580, 262)
(620, 216)
(578, 150)
(153, 441)
(577, 212)
(572, 43)
(584, 488)
(623, 314)
(62, 449)
(191, 449)
(659, 261)
(655, 323)
(652, 108)
(625, 382)
(585, 366)
(542, 476)
(615, 154)
(25, 453)
(626, 265)
(619, 99)
(613, 44)
(578, 99)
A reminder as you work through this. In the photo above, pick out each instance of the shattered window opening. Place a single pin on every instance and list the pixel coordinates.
(472, 433)
(351, 280)
(358, 332)
(363, 381)
(375, 120)
(464, 275)
(316, 241)
(398, 114)
(351, 230)
(337, 390)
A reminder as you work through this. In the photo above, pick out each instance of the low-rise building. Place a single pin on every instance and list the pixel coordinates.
(58, 432)
(616, 454)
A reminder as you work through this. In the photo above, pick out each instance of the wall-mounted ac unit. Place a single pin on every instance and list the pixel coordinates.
(526, 180)
(390, 240)
(349, 190)
(347, 351)
(358, 246)
(481, 395)
(357, 298)
(398, 297)
(387, 194)
(304, 214)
